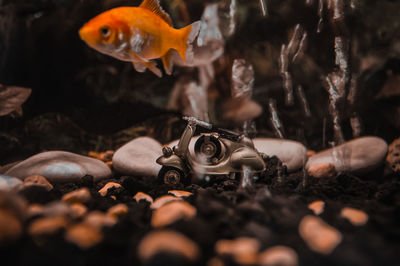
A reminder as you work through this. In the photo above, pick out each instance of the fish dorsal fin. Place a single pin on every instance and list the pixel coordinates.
(154, 6)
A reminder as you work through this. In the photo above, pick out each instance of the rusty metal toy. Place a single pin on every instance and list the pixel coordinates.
(218, 152)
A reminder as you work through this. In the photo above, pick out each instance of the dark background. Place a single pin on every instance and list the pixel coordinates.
(82, 100)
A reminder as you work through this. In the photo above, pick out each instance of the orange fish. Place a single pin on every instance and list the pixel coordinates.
(139, 35)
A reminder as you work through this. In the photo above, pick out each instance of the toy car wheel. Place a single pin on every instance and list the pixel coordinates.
(208, 147)
(171, 176)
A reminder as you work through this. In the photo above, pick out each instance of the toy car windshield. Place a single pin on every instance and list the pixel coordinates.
(225, 133)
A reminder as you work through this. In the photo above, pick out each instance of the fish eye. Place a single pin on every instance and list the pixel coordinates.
(105, 31)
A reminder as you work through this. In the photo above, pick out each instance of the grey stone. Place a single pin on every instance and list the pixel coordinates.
(357, 156)
(293, 154)
(60, 166)
(8, 182)
(138, 157)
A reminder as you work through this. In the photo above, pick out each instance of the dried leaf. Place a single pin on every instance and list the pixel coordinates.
(11, 98)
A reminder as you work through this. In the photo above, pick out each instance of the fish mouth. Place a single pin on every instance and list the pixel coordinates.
(87, 35)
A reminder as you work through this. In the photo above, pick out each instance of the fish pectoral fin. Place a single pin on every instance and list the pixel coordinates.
(152, 66)
(139, 67)
(168, 63)
(142, 63)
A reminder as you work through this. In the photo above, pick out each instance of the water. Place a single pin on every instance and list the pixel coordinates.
(246, 177)
(274, 118)
(264, 8)
(333, 109)
(303, 101)
(242, 79)
(290, 53)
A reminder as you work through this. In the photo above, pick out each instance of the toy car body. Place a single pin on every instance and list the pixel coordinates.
(218, 152)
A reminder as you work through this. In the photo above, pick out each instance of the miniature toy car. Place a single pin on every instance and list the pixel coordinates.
(219, 152)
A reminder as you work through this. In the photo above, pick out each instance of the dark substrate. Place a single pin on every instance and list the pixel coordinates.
(270, 211)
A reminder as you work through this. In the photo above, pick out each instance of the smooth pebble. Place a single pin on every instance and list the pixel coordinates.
(317, 207)
(142, 196)
(81, 195)
(180, 193)
(321, 170)
(37, 180)
(158, 202)
(138, 157)
(167, 241)
(244, 250)
(278, 255)
(358, 156)
(60, 166)
(83, 235)
(319, 236)
(293, 154)
(47, 226)
(104, 190)
(8, 182)
(118, 210)
(10, 226)
(171, 213)
(393, 157)
(356, 217)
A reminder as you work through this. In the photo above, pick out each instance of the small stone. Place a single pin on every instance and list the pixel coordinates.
(47, 226)
(34, 210)
(78, 210)
(83, 235)
(37, 180)
(244, 250)
(138, 157)
(393, 157)
(107, 155)
(293, 154)
(167, 241)
(104, 190)
(321, 170)
(356, 217)
(56, 208)
(172, 212)
(117, 210)
(14, 204)
(102, 156)
(317, 207)
(278, 256)
(9, 182)
(319, 236)
(94, 154)
(60, 166)
(109, 164)
(143, 196)
(81, 195)
(310, 153)
(180, 193)
(215, 262)
(358, 156)
(99, 220)
(162, 201)
(10, 226)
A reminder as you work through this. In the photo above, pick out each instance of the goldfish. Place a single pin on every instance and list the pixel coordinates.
(140, 35)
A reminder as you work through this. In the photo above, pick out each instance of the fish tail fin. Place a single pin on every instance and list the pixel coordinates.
(189, 34)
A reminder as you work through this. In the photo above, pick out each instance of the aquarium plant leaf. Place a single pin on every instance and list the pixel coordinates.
(11, 98)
